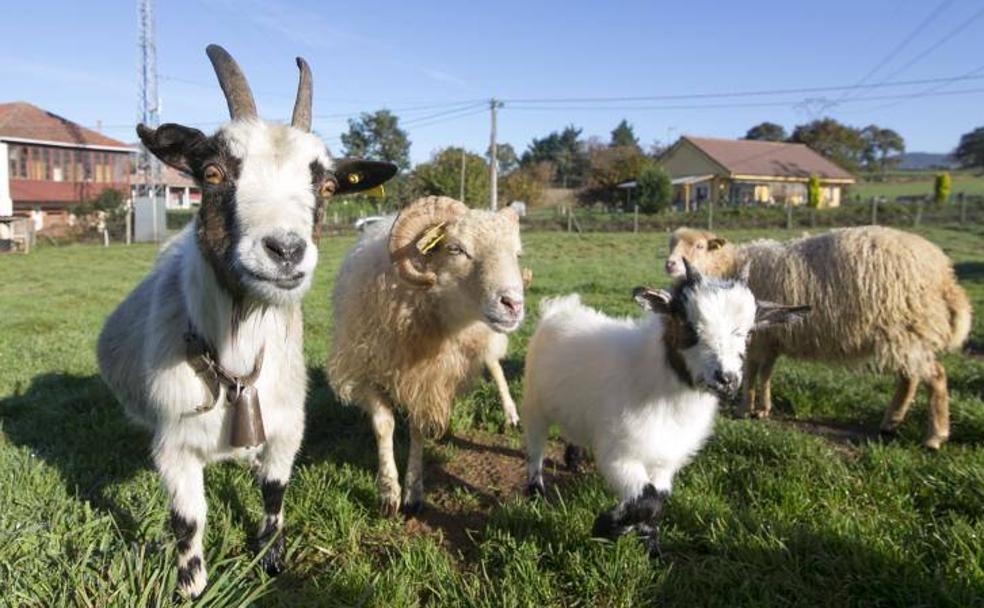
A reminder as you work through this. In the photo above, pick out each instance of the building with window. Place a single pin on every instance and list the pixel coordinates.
(52, 164)
(746, 172)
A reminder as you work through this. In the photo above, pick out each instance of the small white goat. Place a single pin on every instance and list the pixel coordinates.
(641, 394)
(207, 351)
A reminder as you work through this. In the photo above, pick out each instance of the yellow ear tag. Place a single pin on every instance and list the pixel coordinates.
(376, 192)
(431, 239)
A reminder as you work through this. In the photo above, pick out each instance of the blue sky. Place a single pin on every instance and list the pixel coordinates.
(435, 62)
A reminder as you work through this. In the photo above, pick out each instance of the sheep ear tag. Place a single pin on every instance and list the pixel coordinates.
(247, 420)
(431, 238)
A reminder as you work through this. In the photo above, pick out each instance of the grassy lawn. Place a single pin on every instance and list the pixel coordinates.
(808, 509)
(916, 183)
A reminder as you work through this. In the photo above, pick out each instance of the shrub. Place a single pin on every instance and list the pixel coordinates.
(654, 189)
(941, 188)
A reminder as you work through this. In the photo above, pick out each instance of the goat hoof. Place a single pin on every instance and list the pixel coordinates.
(192, 580)
(535, 489)
(272, 561)
(573, 458)
(651, 543)
(933, 444)
(605, 526)
(412, 508)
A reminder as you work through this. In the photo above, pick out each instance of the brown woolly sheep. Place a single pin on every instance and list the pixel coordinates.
(418, 304)
(881, 297)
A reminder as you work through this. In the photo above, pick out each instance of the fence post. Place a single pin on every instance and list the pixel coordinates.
(919, 210)
(635, 220)
(569, 218)
(874, 210)
(789, 215)
(963, 208)
(710, 213)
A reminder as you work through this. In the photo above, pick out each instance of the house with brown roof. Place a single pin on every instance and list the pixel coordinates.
(50, 164)
(746, 172)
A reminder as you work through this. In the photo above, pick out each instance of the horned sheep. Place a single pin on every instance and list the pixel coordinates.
(206, 352)
(882, 297)
(418, 304)
(641, 394)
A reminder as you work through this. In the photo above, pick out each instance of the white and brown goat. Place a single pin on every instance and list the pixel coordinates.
(206, 351)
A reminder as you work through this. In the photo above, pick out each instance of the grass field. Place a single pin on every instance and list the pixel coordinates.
(917, 183)
(811, 509)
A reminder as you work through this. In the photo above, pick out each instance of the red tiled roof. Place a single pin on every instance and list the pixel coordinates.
(778, 159)
(25, 121)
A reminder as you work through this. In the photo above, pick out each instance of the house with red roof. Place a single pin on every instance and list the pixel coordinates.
(49, 164)
(747, 172)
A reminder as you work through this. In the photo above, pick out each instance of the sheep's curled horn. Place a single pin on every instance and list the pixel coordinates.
(410, 223)
(239, 96)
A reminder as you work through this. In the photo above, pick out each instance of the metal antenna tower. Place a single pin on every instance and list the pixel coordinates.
(148, 105)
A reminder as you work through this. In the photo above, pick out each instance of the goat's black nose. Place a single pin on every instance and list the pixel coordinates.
(729, 380)
(287, 250)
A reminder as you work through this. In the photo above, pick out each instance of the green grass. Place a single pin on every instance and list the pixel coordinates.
(766, 515)
(917, 183)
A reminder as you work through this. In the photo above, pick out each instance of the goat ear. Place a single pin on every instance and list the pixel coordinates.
(768, 314)
(356, 175)
(171, 143)
(716, 243)
(654, 300)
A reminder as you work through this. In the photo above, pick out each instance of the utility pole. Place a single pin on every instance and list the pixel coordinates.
(148, 108)
(461, 191)
(494, 160)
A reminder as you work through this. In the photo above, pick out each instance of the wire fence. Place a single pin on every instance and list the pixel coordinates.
(902, 212)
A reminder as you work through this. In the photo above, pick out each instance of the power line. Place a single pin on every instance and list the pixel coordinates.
(943, 40)
(898, 48)
(753, 93)
(753, 104)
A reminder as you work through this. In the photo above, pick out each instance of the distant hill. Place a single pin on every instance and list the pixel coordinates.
(925, 160)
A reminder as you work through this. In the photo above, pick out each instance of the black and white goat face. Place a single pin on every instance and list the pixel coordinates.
(264, 186)
(708, 325)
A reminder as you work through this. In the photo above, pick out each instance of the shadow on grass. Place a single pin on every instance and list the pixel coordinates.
(74, 424)
(805, 565)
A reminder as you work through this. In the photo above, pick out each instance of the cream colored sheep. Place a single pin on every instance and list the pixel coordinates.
(881, 297)
(418, 304)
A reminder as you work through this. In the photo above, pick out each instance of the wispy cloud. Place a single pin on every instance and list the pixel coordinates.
(18, 67)
(309, 28)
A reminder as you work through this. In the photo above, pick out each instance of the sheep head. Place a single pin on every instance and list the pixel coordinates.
(264, 188)
(467, 258)
(704, 250)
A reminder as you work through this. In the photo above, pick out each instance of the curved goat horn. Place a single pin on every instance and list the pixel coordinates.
(233, 83)
(302, 105)
(410, 223)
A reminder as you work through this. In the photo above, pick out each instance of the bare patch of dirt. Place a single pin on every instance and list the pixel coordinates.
(845, 438)
(479, 472)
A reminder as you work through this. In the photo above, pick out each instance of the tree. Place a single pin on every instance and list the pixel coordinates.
(767, 131)
(654, 190)
(378, 136)
(813, 192)
(879, 144)
(526, 184)
(609, 167)
(565, 151)
(840, 143)
(941, 188)
(970, 151)
(507, 157)
(624, 135)
(442, 176)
